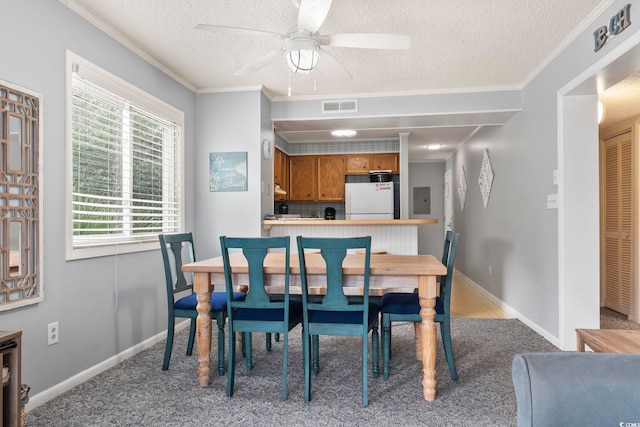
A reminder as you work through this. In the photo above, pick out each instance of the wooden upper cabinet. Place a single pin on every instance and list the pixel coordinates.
(357, 164)
(281, 173)
(331, 178)
(302, 173)
(385, 161)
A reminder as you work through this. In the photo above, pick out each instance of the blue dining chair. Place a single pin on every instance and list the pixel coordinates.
(181, 301)
(334, 313)
(259, 311)
(405, 307)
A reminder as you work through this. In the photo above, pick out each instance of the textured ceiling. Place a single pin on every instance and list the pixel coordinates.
(621, 101)
(456, 45)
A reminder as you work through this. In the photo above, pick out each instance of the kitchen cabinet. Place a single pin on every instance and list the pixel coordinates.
(330, 177)
(385, 161)
(356, 164)
(322, 177)
(281, 173)
(302, 173)
(10, 348)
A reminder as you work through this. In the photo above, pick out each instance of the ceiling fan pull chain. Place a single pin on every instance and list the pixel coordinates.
(289, 91)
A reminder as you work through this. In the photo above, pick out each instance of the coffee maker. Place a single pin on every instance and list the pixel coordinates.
(329, 213)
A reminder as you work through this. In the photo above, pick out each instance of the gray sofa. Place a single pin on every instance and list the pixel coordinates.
(577, 389)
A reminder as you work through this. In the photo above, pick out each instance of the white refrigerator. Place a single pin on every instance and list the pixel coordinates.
(369, 200)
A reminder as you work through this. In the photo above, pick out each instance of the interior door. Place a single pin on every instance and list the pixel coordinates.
(618, 235)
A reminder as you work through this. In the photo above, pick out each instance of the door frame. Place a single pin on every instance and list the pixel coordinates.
(578, 203)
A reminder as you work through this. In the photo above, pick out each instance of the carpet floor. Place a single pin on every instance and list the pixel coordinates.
(610, 319)
(137, 392)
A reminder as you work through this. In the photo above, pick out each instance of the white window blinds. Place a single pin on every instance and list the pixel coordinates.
(126, 164)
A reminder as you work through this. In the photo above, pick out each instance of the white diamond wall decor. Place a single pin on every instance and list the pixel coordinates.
(486, 178)
(462, 188)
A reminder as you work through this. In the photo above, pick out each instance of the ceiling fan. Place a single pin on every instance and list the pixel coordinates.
(302, 43)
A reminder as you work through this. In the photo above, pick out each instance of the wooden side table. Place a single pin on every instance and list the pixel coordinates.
(10, 348)
(621, 341)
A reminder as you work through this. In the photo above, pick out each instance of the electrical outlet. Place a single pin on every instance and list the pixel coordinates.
(53, 333)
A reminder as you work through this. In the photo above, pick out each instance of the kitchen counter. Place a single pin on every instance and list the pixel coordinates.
(392, 236)
(268, 223)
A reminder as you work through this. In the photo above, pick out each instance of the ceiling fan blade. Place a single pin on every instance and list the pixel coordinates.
(368, 40)
(238, 30)
(260, 63)
(312, 14)
(332, 65)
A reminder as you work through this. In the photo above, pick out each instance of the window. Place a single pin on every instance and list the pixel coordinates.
(124, 151)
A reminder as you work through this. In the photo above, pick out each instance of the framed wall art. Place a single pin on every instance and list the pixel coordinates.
(228, 171)
(485, 180)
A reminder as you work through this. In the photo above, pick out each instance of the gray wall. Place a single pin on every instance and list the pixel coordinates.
(229, 122)
(515, 232)
(103, 305)
(430, 237)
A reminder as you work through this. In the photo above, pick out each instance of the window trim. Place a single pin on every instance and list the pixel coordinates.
(141, 99)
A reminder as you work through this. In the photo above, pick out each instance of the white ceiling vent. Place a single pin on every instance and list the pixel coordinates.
(340, 106)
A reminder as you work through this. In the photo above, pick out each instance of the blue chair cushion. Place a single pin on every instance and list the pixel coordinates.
(269, 314)
(218, 301)
(351, 317)
(403, 303)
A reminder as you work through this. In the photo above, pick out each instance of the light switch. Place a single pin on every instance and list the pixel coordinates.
(552, 201)
(555, 177)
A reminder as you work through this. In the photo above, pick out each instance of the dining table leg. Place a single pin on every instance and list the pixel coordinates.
(427, 296)
(202, 288)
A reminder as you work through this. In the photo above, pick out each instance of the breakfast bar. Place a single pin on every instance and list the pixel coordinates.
(392, 236)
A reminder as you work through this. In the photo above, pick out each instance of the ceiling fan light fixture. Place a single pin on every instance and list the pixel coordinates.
(302, 55)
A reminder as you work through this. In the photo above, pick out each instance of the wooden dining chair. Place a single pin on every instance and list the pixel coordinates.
(259, 311)
(181, 300)
(405, 307)
(334, 313)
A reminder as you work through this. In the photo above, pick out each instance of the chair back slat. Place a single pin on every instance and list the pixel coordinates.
(334, 251)
(255, 259)
(174, 247)
(335, 293)
(255, 251)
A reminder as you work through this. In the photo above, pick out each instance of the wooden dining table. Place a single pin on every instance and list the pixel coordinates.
(407, 272)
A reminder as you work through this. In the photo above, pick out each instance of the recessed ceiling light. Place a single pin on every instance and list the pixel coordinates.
(434, 146)
(344, 132)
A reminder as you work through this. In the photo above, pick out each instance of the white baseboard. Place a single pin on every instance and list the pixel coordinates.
(508, 309)
(55, 391)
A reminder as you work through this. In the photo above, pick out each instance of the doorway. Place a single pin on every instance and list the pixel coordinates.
(578, 210)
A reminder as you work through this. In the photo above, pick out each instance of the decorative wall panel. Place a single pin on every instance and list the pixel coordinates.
(20, 197)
